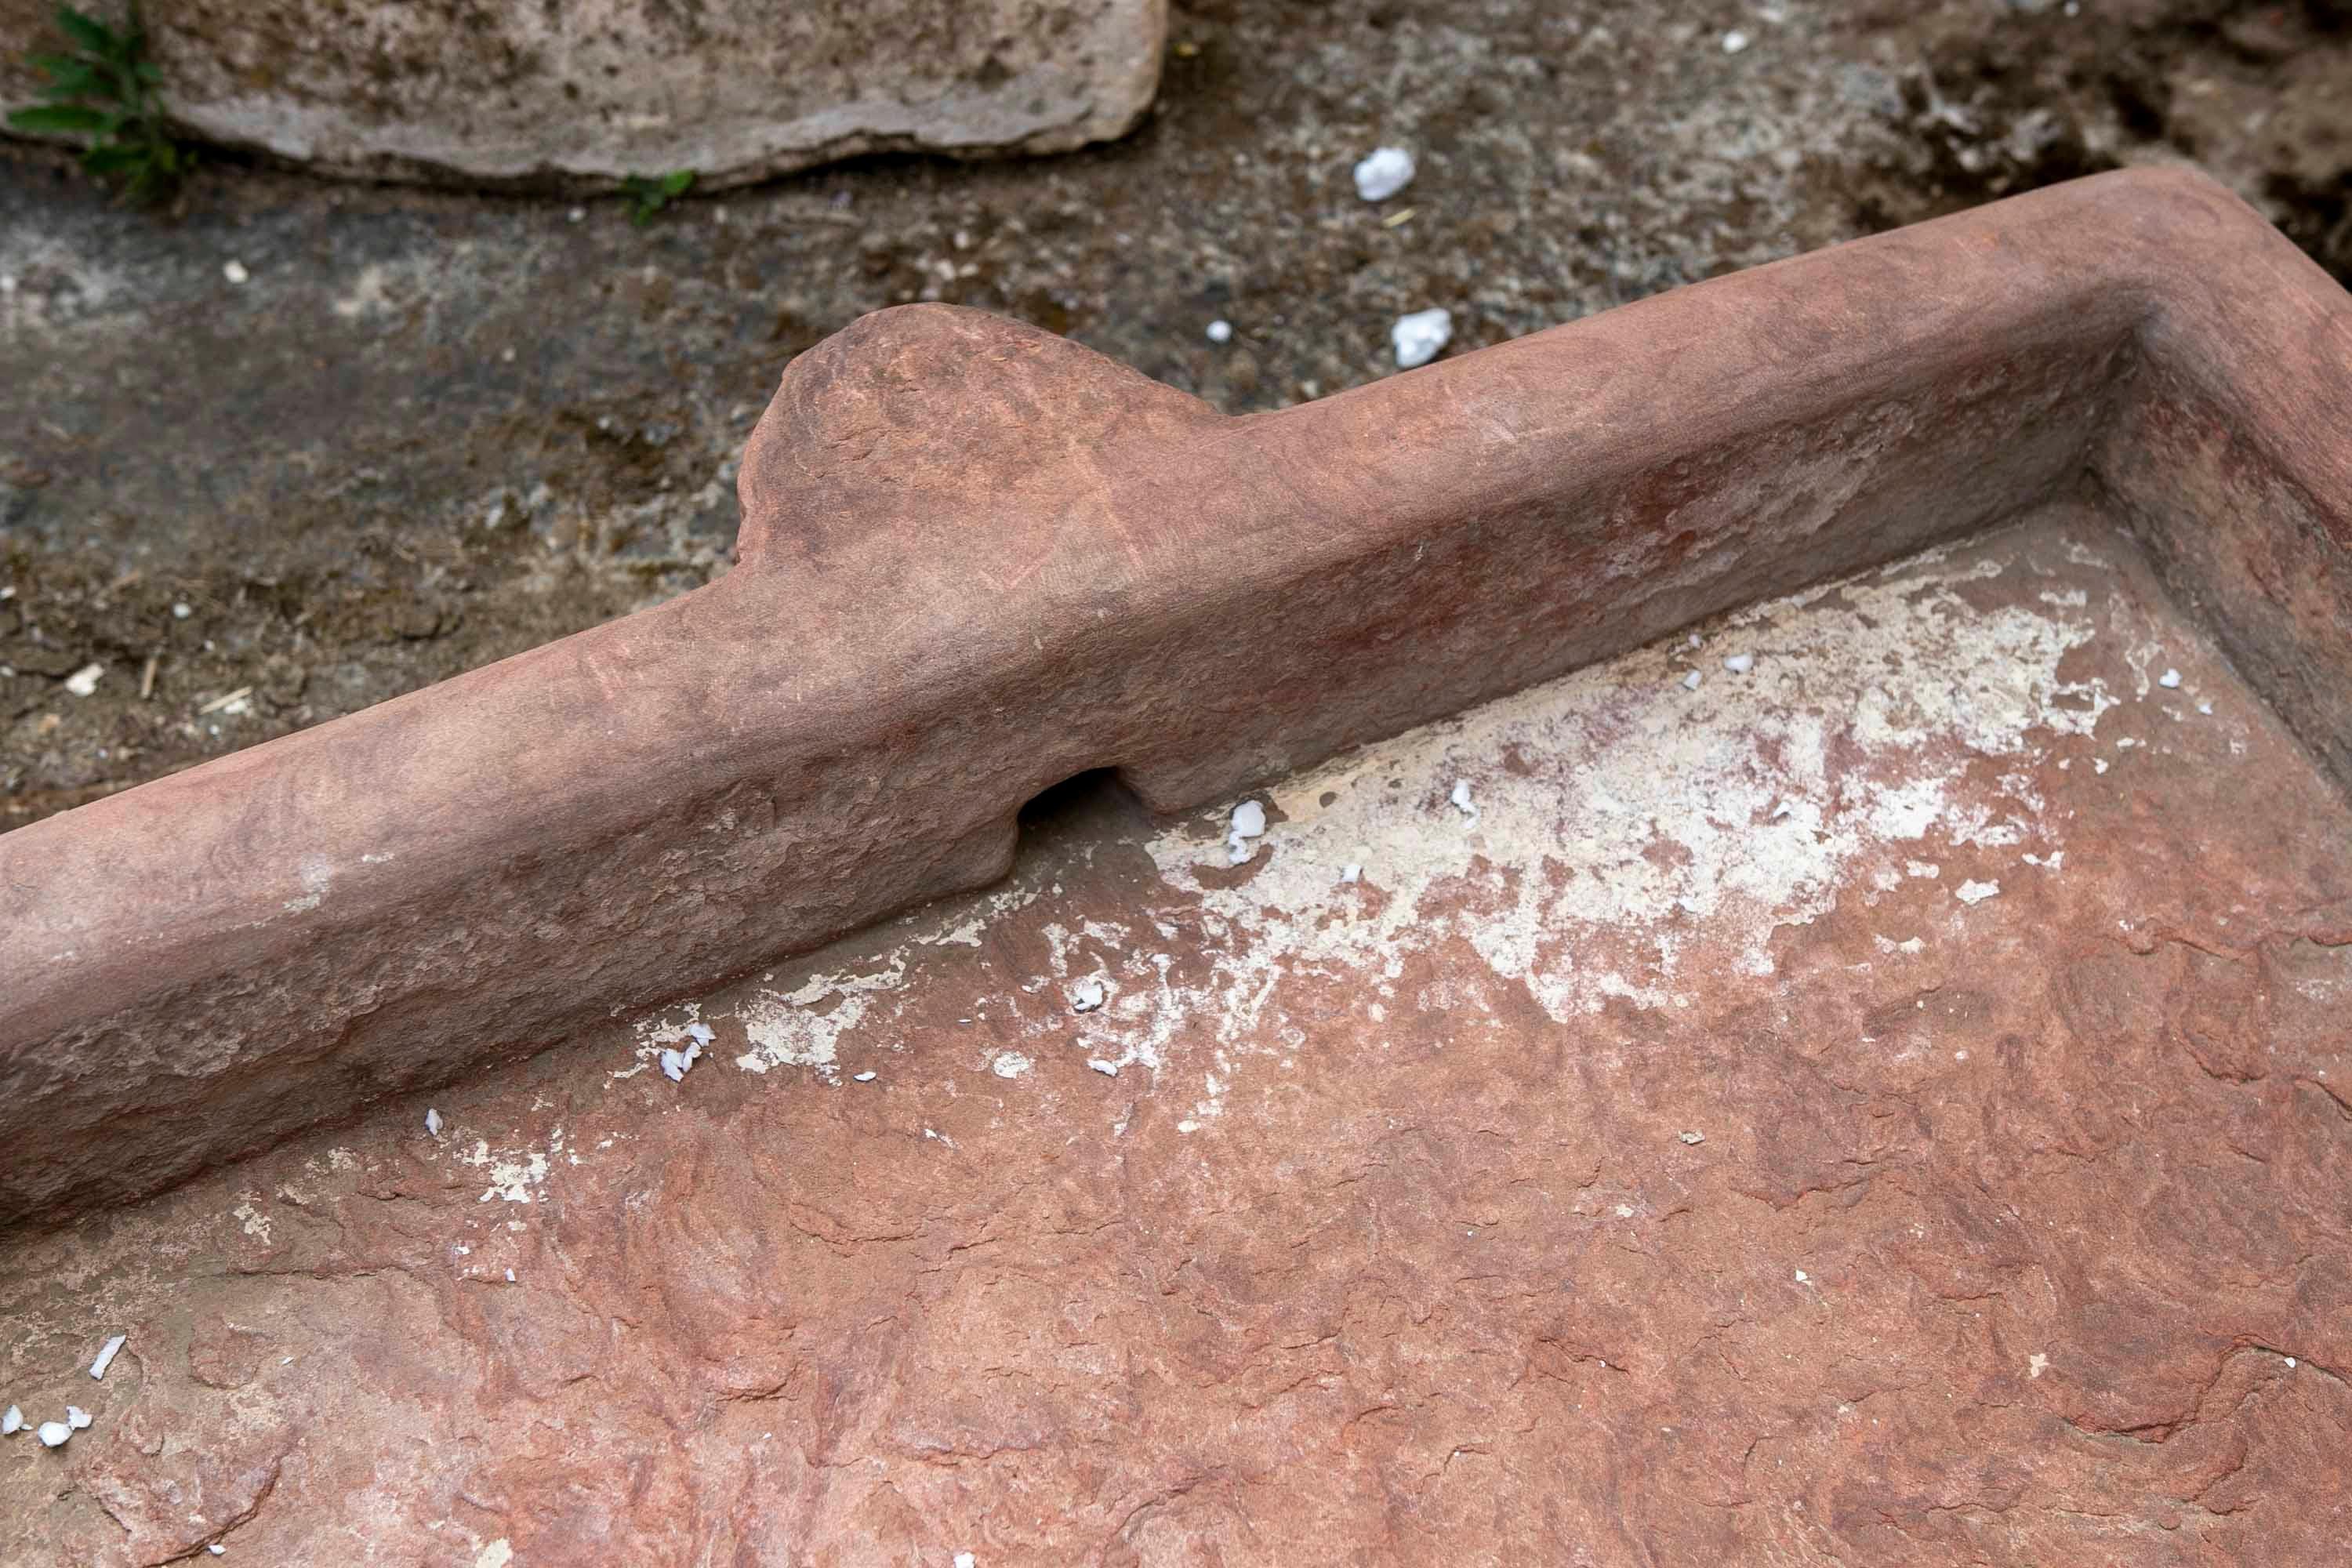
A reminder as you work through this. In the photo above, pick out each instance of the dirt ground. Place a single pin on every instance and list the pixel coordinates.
(429, 429)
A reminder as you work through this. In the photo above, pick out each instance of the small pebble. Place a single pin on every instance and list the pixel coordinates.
(77, 1417)
(2206, 708)
(1248, 823)
(964, 1560)
(509, 1276)
(1088, 994)
(1420, 336)
(577, 214)
(82, 682)
(53, 1434)
(12, 1422)
(235, 271)
(866, 1077)
(1692, 1137)
(1740, 663)
(217, 1550)
(1461, 798)
(1734, 41)
(1221, 332)
(182, 612)
(1351, 873)
(1384, 173)
(1690, 681)
(2290, 1364)
(432, 1122)
(1109, 1069)
(2169, 679)
(1800, 1276)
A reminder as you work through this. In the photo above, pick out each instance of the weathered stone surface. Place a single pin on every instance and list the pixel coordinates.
(978, 560)
(1635, 1174)
(589, 93)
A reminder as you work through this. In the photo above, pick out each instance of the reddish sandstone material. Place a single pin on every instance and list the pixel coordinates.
(978, 560)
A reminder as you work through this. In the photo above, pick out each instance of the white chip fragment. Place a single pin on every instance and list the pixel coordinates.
(1351, 872)
(1248, 823)
(106, 1355)
(1109, 1069)
(433, 1121)
(1692, 1137)
(1382, 173)
(964, 1560)
(866, 1077)
(1976, 893)
(2169, 679)
(1740, 663)
(509, 1276)
(77, 1417)
(1012, 1064)
(217, 1550)
(234, 270)
(700, 1034)
(181, 612)
(1690, 681)
(1800, 1276)
(84, 681)
(1419, 337)
(1734, 41)
(2205, 708)
(1221, 332)
(674, 1064)
(12, 1422)
(53, 1434)
(1460, 799)
(1086, 995)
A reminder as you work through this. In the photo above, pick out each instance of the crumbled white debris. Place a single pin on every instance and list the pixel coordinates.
(2205, 708)
(1692, 1137)
(1109, 1069)
(53, 1434)
(1693, 641)
(1221, 332)
(1462, 801)
(82, 682)
(77, 1417)
(182, 611)
(2036, 1364)
(1419, 337)
(1734, 41)
(1012, 1064)
(1800, 1276)
(1382, 173)
(1740, 663)
(1351, 872)
(676, 1064)
(1248, 823)
(1087, 994)
(866, 1077)
(433, 1121)
(12, 1422)
(106, 1354)
(234, 270)
(1976, 893)
(2169, 679)
(1690, 681)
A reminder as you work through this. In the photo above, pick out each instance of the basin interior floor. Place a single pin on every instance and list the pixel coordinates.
(1886, 1101)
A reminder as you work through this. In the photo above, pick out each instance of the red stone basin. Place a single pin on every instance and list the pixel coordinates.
(1886, 1101)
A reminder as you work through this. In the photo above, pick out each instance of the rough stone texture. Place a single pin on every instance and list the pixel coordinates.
(843, 726)
(585, 93)
(1636, 1174)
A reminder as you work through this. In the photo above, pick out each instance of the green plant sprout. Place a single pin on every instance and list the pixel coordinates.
(104, 90)
(649, 193)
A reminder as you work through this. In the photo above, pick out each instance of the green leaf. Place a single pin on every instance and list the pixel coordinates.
(87, 31)
(70, 118)
(114, 160)
(677, 184)
(147, 72)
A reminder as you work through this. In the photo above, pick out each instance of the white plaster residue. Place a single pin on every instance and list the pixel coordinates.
(2036, 1364)
(515, 1177)
(803, 1028)
(256, 1223)
(1010, 1064)
(317, 875)
(1977, 892)
(497, 1554)
(1647, 810)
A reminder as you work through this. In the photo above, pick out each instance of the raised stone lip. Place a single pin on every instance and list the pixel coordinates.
(978, 560)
